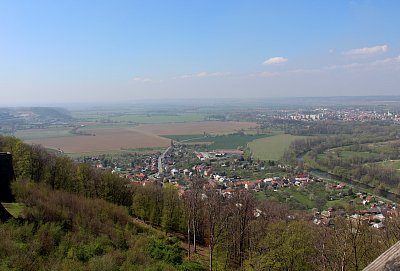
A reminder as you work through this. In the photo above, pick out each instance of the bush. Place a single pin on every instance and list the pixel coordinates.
(191, 266)
(167, 249)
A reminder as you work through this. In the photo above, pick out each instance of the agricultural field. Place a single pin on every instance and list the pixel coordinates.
(104, 140)
(273, 147)
(128, 117)
(195, 128)
(186, 117)
(142, 137)
(31, 134)
(232, 141)
(214, 142)
(187, 138)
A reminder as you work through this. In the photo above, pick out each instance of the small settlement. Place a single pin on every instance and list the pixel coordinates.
(225, 171)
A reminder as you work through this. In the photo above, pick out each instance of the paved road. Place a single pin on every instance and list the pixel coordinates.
(160, 161)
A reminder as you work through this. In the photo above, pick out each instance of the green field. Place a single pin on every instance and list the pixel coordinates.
(189, 138)
(353, 154)
(43, 133)
(137, 118)
(229, 141)
(376, 153)
(273, 147)
(186, 117)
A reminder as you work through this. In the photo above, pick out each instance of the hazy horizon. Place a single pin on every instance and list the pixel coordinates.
(257, 101)
(102, 52)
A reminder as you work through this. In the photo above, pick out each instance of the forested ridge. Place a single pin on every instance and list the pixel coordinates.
(78, 217)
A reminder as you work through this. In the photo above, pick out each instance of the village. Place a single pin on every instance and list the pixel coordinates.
(228, 171)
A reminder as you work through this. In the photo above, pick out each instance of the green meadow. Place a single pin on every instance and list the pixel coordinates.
(273, 147)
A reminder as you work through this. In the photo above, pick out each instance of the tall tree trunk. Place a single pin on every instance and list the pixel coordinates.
(194, 237)
(211, 256)
(188, 237)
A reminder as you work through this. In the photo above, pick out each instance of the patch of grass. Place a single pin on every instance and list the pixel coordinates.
(273, 147)
(14, 208)
(351, 154)
(303, 198)
(341, 203)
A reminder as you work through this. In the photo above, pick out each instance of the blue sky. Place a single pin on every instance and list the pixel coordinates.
(67, 51)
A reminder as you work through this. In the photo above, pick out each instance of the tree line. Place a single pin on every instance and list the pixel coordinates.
(34, 163)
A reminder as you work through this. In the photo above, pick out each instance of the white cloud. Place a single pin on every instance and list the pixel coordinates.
(344, 66)
(386, 62)
(204, 74)
(382, 62)
(305, 71)
(268, 74)
(140, 79)
(275, 60)
(367, 51)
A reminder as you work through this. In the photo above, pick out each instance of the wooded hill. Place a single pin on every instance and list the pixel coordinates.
(75, 217)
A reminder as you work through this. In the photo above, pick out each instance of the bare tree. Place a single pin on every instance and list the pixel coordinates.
(243, 211)
(216, 218)
(194, 206)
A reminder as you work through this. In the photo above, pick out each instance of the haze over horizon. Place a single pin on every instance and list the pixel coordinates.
(100, 51)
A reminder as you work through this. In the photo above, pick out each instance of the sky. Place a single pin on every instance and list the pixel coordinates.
(113, 51)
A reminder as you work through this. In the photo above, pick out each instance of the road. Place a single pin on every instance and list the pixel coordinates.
(160, 161)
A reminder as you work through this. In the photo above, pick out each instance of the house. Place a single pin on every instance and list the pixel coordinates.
(378, 225)
(186, 172)
(228, 192)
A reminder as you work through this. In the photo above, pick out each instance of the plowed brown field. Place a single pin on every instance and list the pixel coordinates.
(144, 136)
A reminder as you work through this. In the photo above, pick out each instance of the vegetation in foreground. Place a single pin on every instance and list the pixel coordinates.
(63, 231)
(76, 217)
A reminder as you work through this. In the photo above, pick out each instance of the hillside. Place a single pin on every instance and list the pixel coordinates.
(75, 217)
(65, 226)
